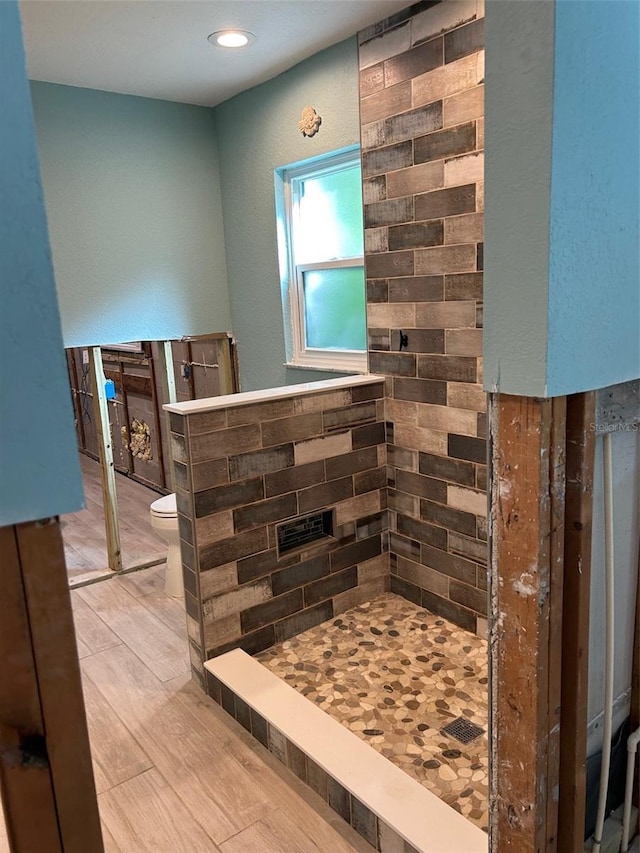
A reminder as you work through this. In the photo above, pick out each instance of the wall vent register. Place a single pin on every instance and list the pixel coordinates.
(302, 531)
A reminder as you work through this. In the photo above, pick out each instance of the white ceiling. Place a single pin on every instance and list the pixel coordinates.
(159, 48)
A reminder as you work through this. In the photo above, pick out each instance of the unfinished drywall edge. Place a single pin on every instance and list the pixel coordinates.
(519, 94)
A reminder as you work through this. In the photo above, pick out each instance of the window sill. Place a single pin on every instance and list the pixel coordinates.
(322, 368)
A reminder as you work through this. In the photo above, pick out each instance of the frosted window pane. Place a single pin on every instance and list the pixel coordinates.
(330, 217)
(335, 313)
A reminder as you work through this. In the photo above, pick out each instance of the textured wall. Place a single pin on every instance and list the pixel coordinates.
(594, 262)
(518, 179)
(257, 132)
(133, 202)
(242, 471)
(562, 215)
(39, 468)
(422, 142)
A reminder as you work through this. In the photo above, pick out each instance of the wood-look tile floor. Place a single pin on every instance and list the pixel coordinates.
(83, 532)
(174, 773)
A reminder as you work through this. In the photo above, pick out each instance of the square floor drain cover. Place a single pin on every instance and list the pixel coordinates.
(463, 730)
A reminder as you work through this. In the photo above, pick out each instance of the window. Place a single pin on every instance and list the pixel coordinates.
(320, 245)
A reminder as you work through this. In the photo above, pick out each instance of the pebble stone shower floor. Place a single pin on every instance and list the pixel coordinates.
(396, 675)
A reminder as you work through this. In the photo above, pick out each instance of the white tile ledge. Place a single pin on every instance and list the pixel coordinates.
(416, 814)
(290, 365)
(228, 401)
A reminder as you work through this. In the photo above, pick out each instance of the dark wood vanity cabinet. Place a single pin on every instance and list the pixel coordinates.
(203, 366)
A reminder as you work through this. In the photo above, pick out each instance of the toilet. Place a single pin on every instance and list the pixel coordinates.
(164, 520)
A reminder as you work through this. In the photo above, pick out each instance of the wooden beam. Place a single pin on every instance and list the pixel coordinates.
(105, 450)
(575, 634)
(167, 382)
(48, 791)
(77, 409)
(211, 336)
(127, 419)
(526, 558)
(228, 383)
(233, 346)
(27, 788)
(635, 685)
(190, 380)
(168, 373)
(142, 385)
(157, 414)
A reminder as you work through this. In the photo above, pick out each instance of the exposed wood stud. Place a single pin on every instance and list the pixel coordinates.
(77, 408)
(94, 577)
(48, 789)
(236, 364)
(27, 788)
(125, 405)
(105, 448)
(157, 414)
(191, 379)
(167, 381)
(169, 373)
(635, 685)
(575, 634)
(526, 551)
(127, 381)
(225, 358)
(557, 479)
(58, 672)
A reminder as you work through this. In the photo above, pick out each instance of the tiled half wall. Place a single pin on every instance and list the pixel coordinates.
(241, 471)
(422, 113)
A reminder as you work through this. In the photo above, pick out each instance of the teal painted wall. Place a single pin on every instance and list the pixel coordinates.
(133, 201)
(594, 261)
(258, 132)
(39, 467)
(562, 266)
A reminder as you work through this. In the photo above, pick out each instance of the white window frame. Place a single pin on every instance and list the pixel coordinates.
(292, 275)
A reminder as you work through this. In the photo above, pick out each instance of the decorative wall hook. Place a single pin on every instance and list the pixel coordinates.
(310, 122)
(404, 340)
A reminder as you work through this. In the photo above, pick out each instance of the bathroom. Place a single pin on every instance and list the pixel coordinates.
(237, 142)
(423, 478)
(433, 424)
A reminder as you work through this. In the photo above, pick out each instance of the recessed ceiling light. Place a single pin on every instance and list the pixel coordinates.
(231, 38)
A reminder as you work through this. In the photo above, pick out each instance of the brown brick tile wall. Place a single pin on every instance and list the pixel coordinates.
(422, 108)
(243, 471)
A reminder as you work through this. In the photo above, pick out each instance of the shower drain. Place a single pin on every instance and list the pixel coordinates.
(463, 730)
